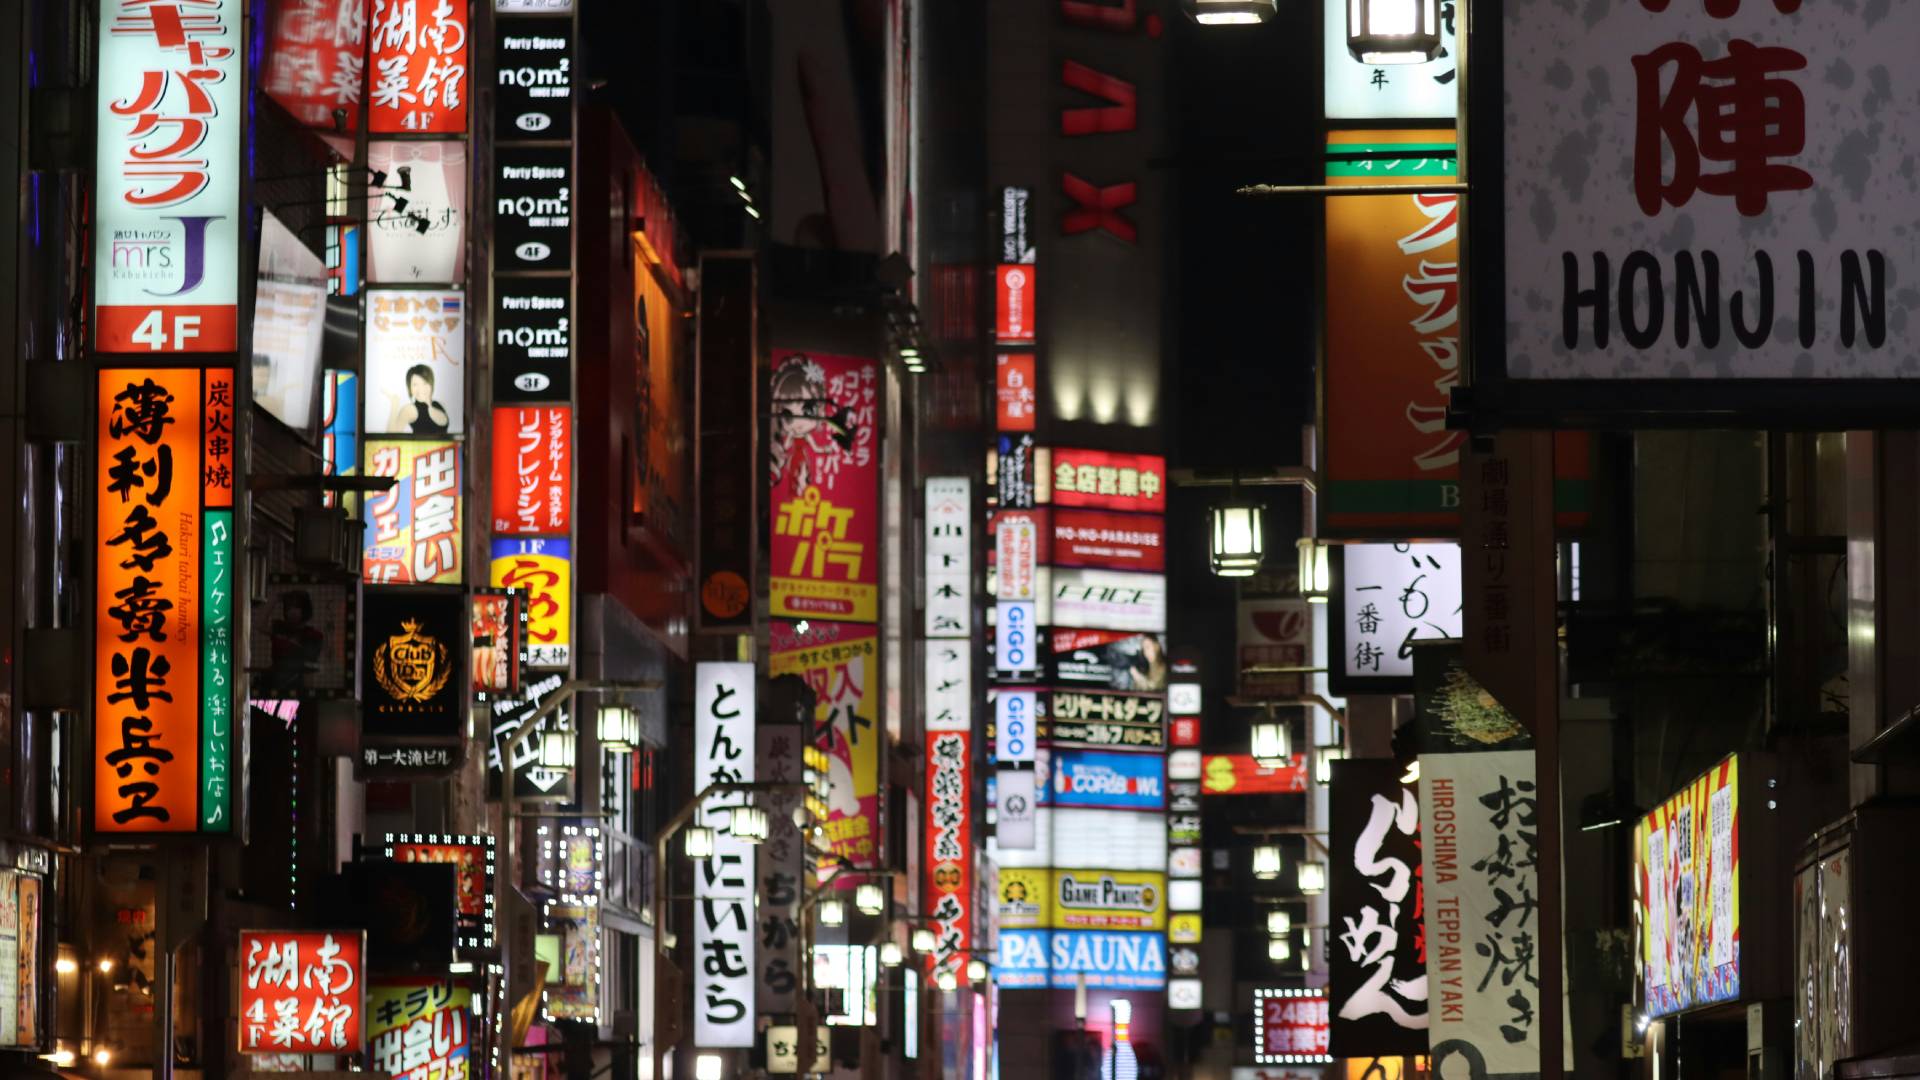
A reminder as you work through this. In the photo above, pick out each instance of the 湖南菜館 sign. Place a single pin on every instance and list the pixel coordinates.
(1702, 190)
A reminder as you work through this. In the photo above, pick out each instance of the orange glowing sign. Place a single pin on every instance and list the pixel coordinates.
(163, 638)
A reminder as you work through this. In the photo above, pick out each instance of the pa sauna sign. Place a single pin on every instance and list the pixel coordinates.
(1702, 193)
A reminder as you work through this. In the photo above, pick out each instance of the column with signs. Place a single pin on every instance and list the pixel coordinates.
(1185, 707)
(531, 547)
(947, 696)
(723, 884)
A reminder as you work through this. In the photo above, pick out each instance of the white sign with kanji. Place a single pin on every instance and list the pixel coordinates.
(949, 582)
(1709, 189)
(722, 979)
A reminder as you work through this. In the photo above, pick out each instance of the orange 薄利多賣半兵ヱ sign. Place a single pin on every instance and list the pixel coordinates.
(164, 623)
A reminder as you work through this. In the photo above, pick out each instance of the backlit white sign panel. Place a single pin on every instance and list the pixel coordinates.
(167, 189)
(1109, 599)
(1014, 726)
(723, 885)
(1016, 640)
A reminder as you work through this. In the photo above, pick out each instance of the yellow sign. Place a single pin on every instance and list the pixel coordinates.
(1023, 899)
(1109, 900)
(1184, 929)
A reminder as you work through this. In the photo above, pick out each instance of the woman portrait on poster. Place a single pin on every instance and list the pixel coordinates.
(418, 412)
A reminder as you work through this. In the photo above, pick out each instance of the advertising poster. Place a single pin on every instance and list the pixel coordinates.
(416, 362)
(1108, 900)
(1239, 774)
(840, 664)
(417, 212)
(1111, 781)
(163, 633)
(317, 62)
(498, 627)
(724, 752)
(319, 976)
(1115, 839)
(533, 98)
(1481, 884)
(1108, 659)
(1016, 554)
(1687, 859)
(305, 634)
(1376, 949)
(577, 995)
(1103, 720)
(1012, 472)
(1109, 541)
(419, 1027)
(1390, 596)
(1106, 600)
(167, 194)
(532, 470)
(472, 860)
(1014, 391)
(824, 470)
(413, 666)
(339, 427)
(541, 569)
(289, 320)
(531, 781)
(414, 527)
(419, 69)
(1018, 805)
(948, 853)
(1103, 480)
(659, 495)
(10, 959)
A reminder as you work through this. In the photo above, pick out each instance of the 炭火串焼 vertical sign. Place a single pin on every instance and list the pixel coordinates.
(163, 638)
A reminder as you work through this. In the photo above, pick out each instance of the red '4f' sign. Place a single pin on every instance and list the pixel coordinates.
(302, 991)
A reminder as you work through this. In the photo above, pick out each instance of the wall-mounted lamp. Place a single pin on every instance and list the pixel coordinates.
(1315, 570)
(1271, 742)
(833, 913)
(749, 823)
(1230, 12)
(619, 728)
(1324, 758)
(891, 955)
(697, 841)
(924, 941)
(1266, 862)
(870, 899)
(1313, 878)
(1279, 922)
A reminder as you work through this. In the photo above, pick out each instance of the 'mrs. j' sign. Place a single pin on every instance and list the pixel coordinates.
(1701, 189)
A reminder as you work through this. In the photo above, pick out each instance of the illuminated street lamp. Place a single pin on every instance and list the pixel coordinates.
(890, 954)
(1279, 922)
(977, 971)
(1230, 12)
(1323, 764)
(1313, 878)
(946, 980)
(749, 824)
(833, 912)
(1266, 862)
(1271, 743)
(1279, 949)
(619, 727)
(698, 840)
(1315, 570)
(1237, 539)
(869, 899)
(924, 941)
(556, 748)
(1393, 31)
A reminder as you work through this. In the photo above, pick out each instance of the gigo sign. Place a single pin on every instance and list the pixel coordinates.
(1014, 637)
(1013, 722)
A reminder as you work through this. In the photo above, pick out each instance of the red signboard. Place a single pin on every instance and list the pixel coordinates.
(1184, 731)
(1239, 774)
(1108, 481)
(1013, 304)
(533, 470)
(949, 851)
(302, 991)
(1293, 1026)
(317, 62)
(1015, 394)
(825, 448)
(1109, 540)
(419, 75)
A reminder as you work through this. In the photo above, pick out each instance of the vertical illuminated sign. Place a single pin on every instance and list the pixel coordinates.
(949, 850)
(723, 752)
(167, 191)
(419, 67)
(164, 556)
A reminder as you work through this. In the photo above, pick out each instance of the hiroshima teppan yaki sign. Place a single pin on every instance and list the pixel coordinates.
(1708, 190)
